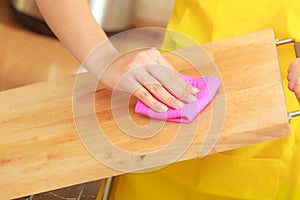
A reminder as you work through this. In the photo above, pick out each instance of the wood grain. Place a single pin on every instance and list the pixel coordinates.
(40, 149)
(27, 57)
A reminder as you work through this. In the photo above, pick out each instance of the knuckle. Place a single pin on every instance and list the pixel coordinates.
(171, 100)
(131, 66)
(142, 94)
(179, 93)
(290, 67)
(289, 77)
(151, 50)
(170, 78)
(127, 84)
(156, 88)
(140, 55)
(184, 95)
(297, 60)
(294, 64)
(188, 88)
(291, 86)
(297, 93)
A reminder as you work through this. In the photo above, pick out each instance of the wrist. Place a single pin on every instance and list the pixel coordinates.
(100, 57)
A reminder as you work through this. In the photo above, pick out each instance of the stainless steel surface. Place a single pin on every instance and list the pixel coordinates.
(297, 52)
(107, 188)
(27, 7)
(112, 15)
(290, 40)
(293, 114)
(285, 41)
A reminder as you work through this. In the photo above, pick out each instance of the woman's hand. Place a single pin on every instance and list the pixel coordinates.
(149, 77)
(139, 73)
(294, 78)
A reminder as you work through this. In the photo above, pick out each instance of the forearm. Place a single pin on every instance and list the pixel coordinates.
(74, 25)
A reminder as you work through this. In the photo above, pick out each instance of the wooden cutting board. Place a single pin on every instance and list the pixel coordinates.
(40, 149)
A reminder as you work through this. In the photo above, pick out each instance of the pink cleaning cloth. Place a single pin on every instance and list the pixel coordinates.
(208, 87)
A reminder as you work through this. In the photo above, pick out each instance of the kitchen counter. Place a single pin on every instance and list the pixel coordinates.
(27, 57)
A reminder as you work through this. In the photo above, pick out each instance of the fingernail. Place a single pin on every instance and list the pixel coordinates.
(191, 98)
(160, 108)
(193, 89)
(179, 104)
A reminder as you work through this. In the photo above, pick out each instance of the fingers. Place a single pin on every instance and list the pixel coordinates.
(297, 90)
(164, 96)
(146, 88)
(174, 83)
(156, 89)
(294, 78)
(154, 54)
(129, 83)
(158, 58)
(143, 95)
(293, 74)
(150, 78)
(179, 88)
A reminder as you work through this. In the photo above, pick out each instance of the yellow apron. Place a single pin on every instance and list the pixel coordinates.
(270, 170)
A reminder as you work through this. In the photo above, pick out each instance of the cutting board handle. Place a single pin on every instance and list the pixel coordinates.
(297, 53)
